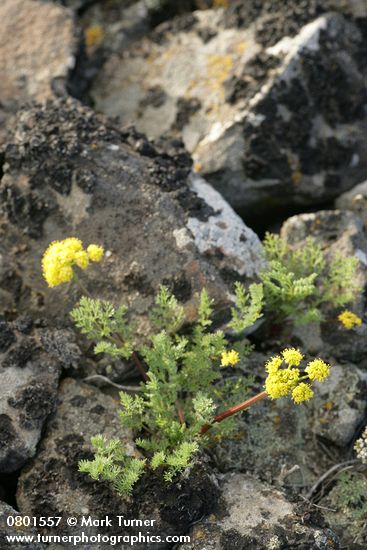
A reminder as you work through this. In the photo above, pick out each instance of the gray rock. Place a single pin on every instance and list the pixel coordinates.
(7, 511)
(256, 516)
(28, 391)
(339, 405)
(51, 484)
(83, 178)
(268, 124)
(356, 201)
(37, 51)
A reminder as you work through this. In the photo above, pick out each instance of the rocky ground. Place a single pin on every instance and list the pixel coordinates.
(176, 134)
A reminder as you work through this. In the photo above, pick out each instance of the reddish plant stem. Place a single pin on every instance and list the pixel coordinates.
(180, 412)
(233, 410)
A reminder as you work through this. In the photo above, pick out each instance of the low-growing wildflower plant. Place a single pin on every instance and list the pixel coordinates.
(301, 282)
(183, 371)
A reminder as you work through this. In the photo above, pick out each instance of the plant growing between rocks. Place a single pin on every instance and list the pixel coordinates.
(297, 282)
(175, 413)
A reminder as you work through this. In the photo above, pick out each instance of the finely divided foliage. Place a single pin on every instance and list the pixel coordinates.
(183, 389)
(185, 384)
(298, 281)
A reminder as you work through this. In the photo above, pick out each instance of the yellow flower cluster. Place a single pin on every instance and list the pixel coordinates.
(292, 357)
(282, 381)
(61, 256)
(318, 370)
(349, 319)
(230, 358)
(302, 392)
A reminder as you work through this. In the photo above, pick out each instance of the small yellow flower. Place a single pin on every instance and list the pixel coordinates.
(95, 252)
(292, 356)
(318, 370)
(272, 365)
(303, 392)
(230, 358)
(81, 259)
(349, 319)
(281, 383)
(60, 257)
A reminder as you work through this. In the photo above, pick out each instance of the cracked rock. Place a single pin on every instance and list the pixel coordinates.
(270, 123)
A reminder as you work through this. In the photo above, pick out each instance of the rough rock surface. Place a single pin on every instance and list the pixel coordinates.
(51, 484)
(269, 122)
(258, 517)
(356, 201)
(37, 50)
(29, 380)
(5, 512)
(66, 173)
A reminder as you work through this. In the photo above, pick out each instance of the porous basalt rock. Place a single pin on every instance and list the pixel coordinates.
(27, 396)
(68, 173)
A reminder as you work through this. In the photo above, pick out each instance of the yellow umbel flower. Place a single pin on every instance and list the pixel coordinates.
(61, 256)
(317, 370)
(280, 383)
(349, 319)
(81, 259)
(292, 356)
(303, 392)
(95, 252)
(229, 358)
(273, 364)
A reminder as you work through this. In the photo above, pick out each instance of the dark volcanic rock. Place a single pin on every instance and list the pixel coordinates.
(68, 174)
(29, 380)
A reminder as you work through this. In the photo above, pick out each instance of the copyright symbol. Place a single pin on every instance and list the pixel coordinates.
(72, 521)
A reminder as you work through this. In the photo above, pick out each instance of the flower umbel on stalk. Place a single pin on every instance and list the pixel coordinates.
(284, 378)
(61, 257)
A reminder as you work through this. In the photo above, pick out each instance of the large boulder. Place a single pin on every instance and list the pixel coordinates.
(68, 174)
(268, 118)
